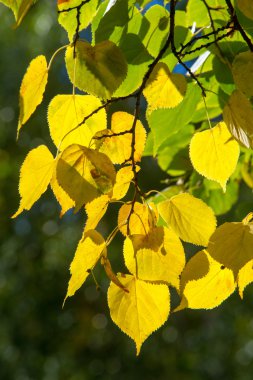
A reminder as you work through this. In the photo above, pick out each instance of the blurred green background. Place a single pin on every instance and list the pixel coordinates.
(39, 340)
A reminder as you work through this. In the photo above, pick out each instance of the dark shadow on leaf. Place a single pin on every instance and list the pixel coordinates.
(80, 190)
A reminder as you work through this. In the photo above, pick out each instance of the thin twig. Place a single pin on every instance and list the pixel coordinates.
(237, 25)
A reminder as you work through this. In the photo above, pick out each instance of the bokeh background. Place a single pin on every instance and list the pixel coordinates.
(38, 339)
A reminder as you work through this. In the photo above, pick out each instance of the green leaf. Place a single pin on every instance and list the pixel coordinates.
(157, 31)
(71, 10)
(165, 122)
(98, 70)
(19, 8)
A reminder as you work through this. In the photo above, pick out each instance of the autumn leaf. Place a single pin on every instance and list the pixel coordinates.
(139, 219)
(141, 311)
(68, 112)
(118, 144)
(191, 226)
(32, 89)
(231, 245)
(214, 154)
(90, 248)
(35, 175)
(156, 257)
(164, 89)
(205, 283)
(84, 174)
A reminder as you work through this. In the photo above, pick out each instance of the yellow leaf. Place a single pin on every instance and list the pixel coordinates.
(119, 148)
(88, 252)
(164, 89)
(95, 211)
(123, 180)
(84, 174)
(66, 112)
(246, 7)
(32, 89)
(238, 115)
(138, 220)
(35, 175)
(232, 245)
(141, 311)
(191, 219)
(242, 70)
(158, 256)
(214, 154)
(205, 283)
(245, 277)
(62, 197)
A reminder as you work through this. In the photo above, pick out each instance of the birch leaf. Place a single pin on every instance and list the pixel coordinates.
(32, 89)
(35, 175)
(95, 211)
(66, 112)
(164, 89)
(214, 154)
(205, 283)
(242, 70)
(190, 218)
(69, 18)
(84, 174)
(123, 180)
(245, 277)
(119, 147)
(157, 256)
(231, 245)
(98, 70)
(88, 252)
(141, 219)
(238, 115)
(62, 197)
(141, 311)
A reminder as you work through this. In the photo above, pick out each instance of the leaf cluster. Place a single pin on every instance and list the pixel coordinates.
(192, 70)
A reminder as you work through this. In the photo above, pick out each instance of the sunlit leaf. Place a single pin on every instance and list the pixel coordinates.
(32, 89)
(164, 89)
(95, 211)
(231, 245)
(205, 283)
(157, 256)
(191, 219)
(141, 311)
(139, 219)
(214, 153)
(35, 175)
(69, 19)
(90, 248)
(118, 146)
(62, 197)
(122, 183)
(66, 112)
(245, 277)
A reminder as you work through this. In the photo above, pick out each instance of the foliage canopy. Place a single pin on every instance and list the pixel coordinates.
(190, 65)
